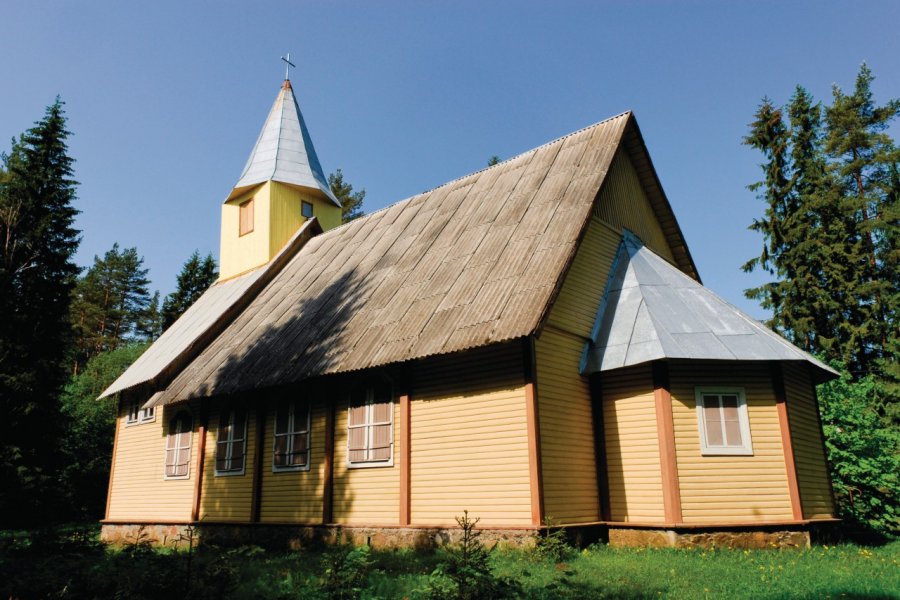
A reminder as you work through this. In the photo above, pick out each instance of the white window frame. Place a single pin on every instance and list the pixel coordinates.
(291, 431)
(137, 415)
(178, 449)
(369, 463)
(230, 443)
(746, 448)
(312, 209)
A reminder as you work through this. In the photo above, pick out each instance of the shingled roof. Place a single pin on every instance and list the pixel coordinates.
(474, 262)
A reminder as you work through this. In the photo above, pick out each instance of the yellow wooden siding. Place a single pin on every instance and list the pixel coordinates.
(286, 217)
(294, 496)
(363, 495)
(240, 253)
(809, 455)
(575, 309)
(469, 447)
(567, 435)
(729, 488)
(227, 497)
(140, 491)
(623, 203)
(632, 446)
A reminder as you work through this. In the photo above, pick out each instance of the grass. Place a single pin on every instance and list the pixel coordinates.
(72, 564)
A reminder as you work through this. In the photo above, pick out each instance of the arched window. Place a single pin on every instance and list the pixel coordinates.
(370, 425)
(231, 443)
(178, 446)
(291, 452)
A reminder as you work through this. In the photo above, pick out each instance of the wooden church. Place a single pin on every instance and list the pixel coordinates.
(528, 342)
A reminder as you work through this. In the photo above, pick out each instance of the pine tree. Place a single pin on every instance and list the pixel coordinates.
(195, 277)
(351, 203)
(110, 304)
(37, 275)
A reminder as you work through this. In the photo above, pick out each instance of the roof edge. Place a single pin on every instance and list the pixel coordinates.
(307, 231)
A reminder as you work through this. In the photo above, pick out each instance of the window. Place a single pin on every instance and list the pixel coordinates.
(722, 418)
(178, 446)
(231, 443)
(370, 435)
(136, 414)
(246, 217)
(291, 451)
(306, 209)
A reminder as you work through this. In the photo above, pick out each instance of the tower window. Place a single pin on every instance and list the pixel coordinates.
(246, 218)
(306, 209)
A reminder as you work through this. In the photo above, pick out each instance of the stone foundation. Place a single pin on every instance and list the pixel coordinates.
(300, 536)
(698, 538)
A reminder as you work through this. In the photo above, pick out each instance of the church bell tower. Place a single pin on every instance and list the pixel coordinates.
(282, 186)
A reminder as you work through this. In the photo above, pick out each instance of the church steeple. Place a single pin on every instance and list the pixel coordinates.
(281, 186)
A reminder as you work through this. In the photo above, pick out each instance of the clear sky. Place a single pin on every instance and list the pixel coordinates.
(165, 99)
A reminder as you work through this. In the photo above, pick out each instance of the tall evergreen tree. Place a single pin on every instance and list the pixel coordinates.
(864, 157)
(110, 304)
(351, 202)
(37, 275)
(195, 277)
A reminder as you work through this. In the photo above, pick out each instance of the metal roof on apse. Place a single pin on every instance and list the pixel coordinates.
(284, 150)
(652, 311)
(474, 262)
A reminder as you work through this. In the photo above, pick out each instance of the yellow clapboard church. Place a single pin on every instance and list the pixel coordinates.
(527, 342)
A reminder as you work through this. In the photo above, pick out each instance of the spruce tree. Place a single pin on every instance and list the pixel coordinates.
(351, 202)
(37, 242)
(195, 277)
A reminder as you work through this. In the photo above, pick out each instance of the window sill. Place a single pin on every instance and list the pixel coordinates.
(292, 469)
(230, 473)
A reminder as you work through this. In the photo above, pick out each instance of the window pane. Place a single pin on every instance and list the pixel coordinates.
(382, 392)
(357, 455)
(358, 415)
(301, 417)
(733, 433)
(381, 436)
(357, 439)
(281, 418)
(381, 454)
(301, 442)
(240, 420)
(712, 417)
(382, 412)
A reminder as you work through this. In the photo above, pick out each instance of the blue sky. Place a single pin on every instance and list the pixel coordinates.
(165, 99)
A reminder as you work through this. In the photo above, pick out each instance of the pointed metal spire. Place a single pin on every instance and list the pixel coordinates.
(284, 151)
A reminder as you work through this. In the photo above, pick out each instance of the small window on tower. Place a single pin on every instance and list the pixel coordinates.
(306, 209)
(246, 218)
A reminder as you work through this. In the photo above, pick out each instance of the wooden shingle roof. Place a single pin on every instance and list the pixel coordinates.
(474, 262)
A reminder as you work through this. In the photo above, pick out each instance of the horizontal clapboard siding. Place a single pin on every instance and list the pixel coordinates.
(229, 497)
(632, 446)
(623, 203)
(294, 496)
(729, 488)
(469, 442)
(809, 454)
(364, 496)
(140, 491)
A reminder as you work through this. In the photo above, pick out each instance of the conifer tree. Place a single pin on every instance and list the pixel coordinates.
(37, 275)
(195, 277)
(351, 202)
(110, 304)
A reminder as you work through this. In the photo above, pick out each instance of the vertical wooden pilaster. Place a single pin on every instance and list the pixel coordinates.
(665, 428)
(787, 444)
(203, 423)
(112, 463)
(405, 440)
(258, 452)
(596, 388)
(532, 416)
(328, 488)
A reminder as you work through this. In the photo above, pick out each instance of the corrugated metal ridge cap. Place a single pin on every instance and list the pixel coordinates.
(342, 226)
(203, 338)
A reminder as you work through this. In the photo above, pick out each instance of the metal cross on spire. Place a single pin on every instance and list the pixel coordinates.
(287, 65)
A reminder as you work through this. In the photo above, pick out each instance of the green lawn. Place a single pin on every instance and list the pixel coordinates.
(76, 566)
